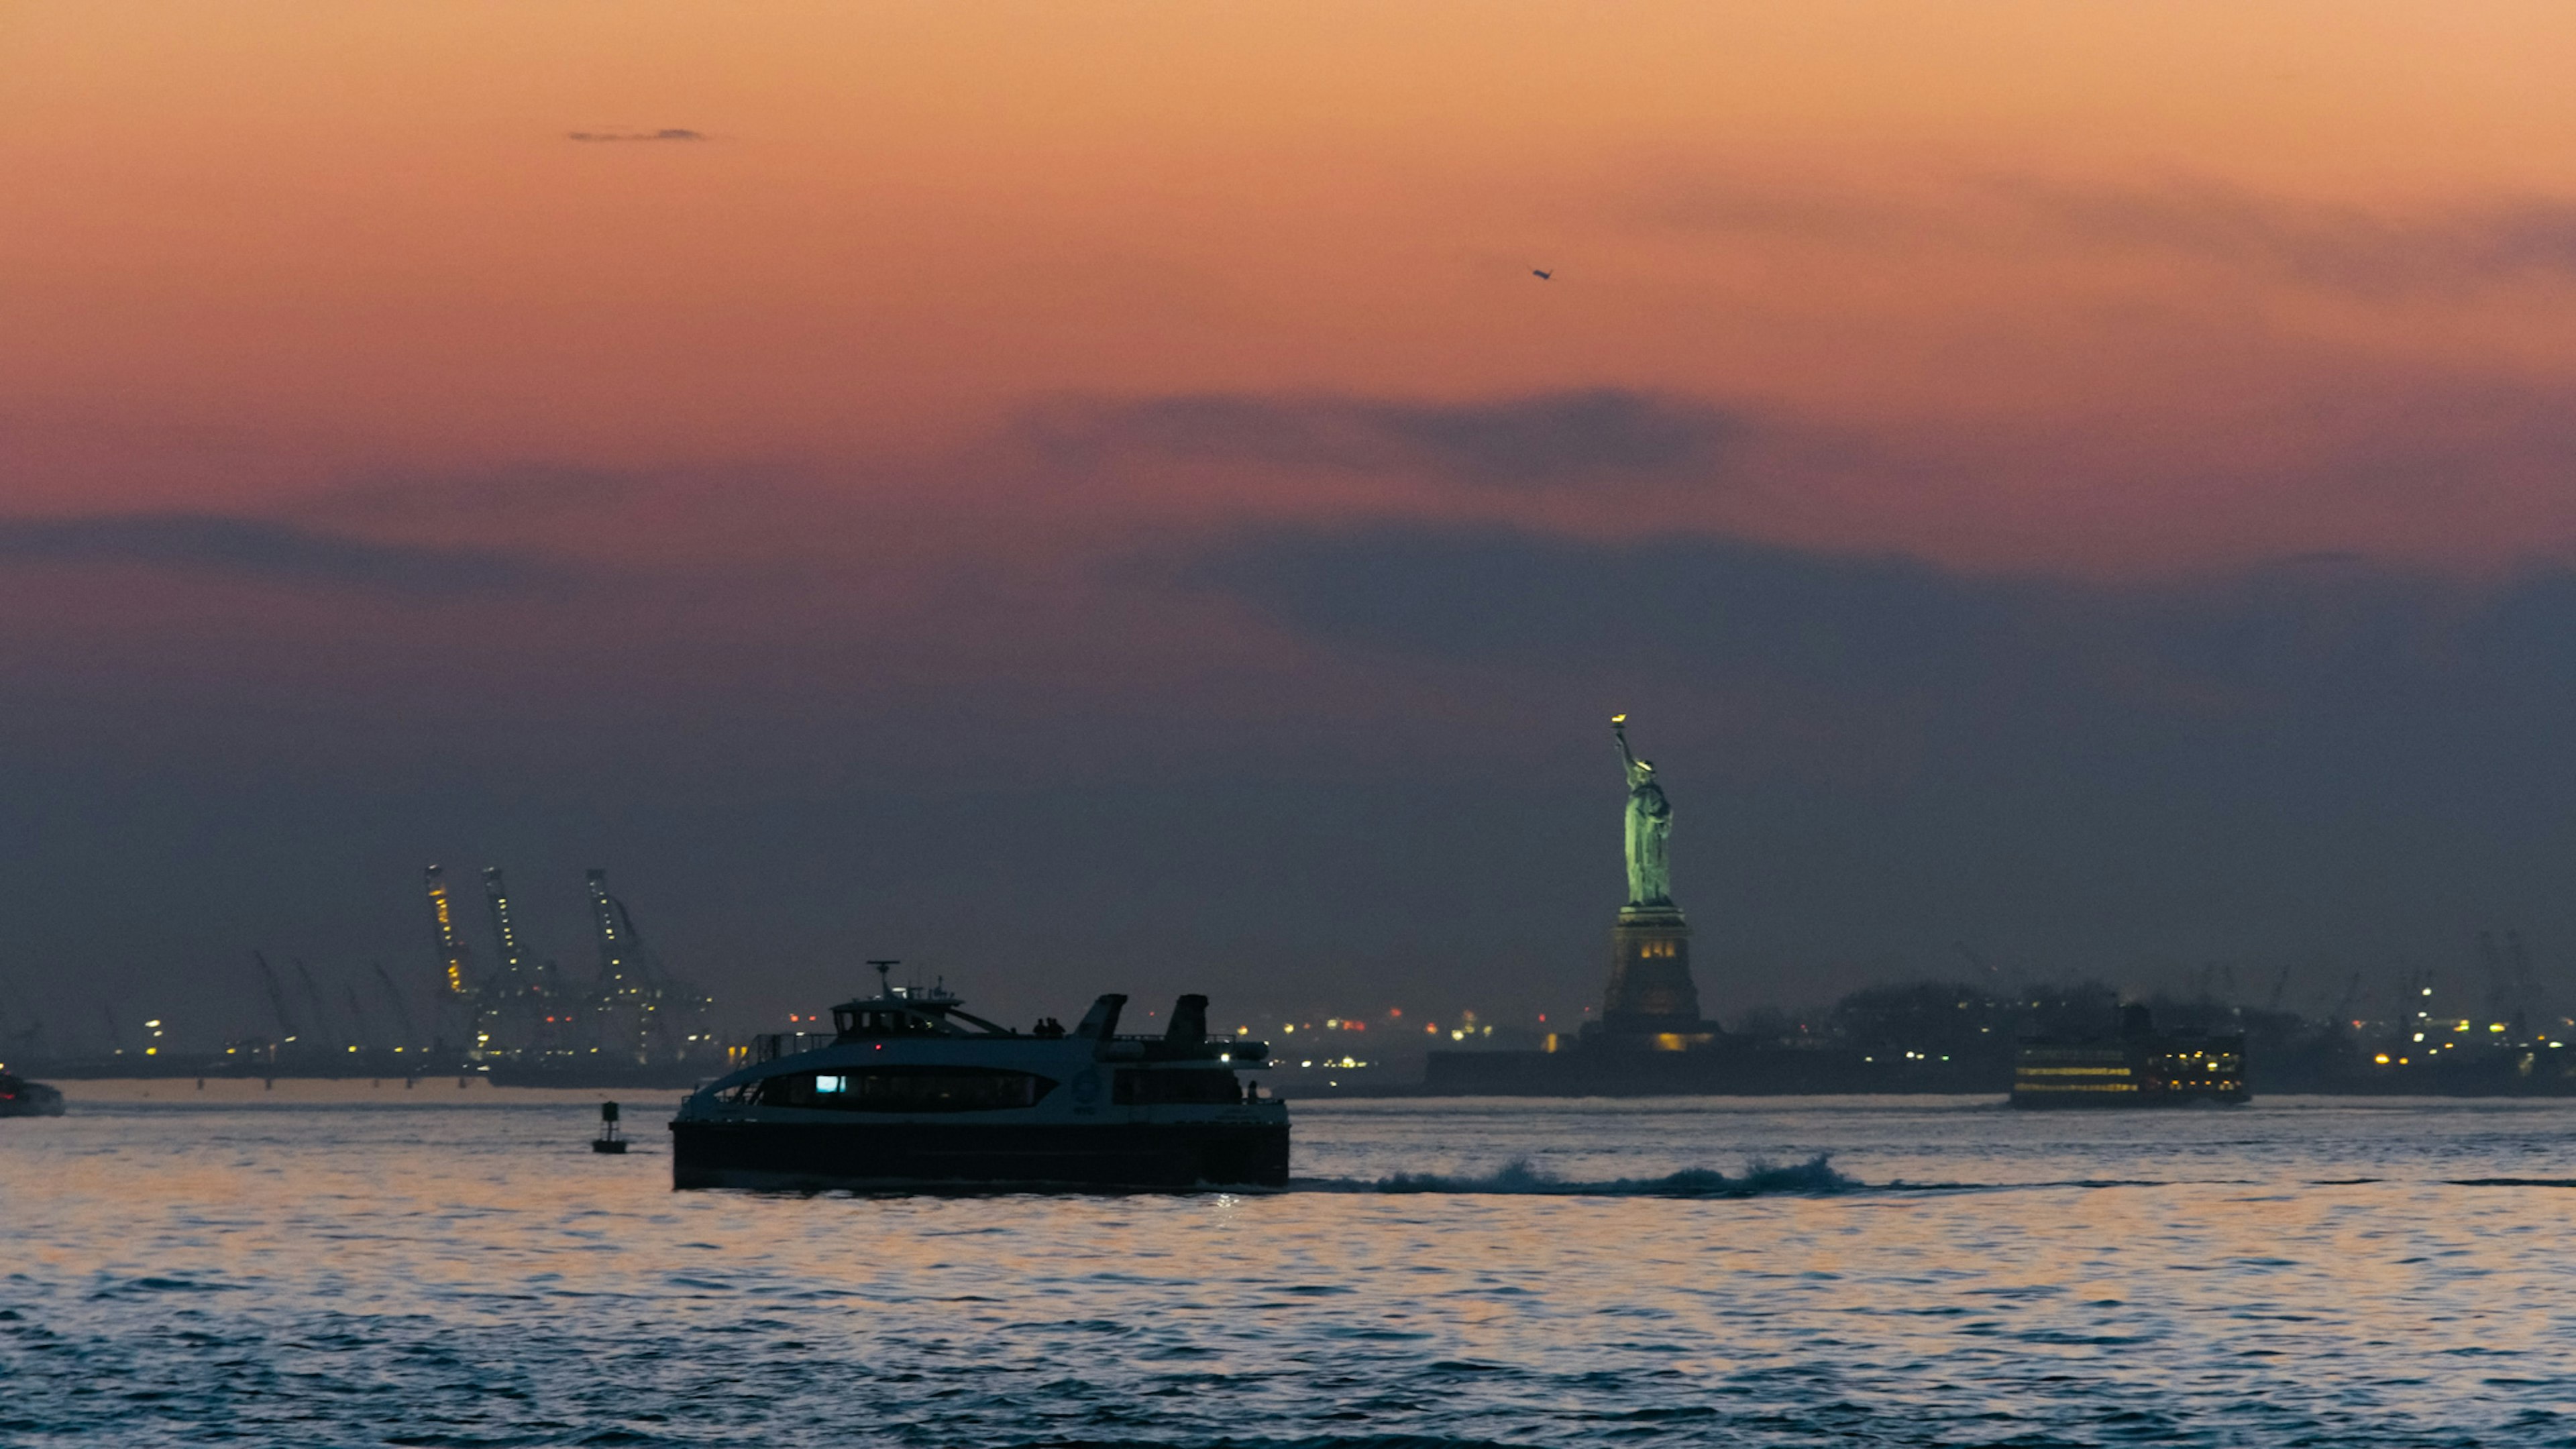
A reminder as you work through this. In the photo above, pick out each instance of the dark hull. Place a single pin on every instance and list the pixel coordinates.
(1152, 1156)
(32, 1101)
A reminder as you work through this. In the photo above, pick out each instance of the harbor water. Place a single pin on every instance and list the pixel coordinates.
(423, 1269)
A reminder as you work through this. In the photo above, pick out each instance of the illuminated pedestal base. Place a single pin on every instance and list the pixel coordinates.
(1651, 1003)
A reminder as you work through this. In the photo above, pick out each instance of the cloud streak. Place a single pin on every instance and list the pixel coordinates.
(1530, 443)
(667, 133)
(266, 551)
(2342, 247)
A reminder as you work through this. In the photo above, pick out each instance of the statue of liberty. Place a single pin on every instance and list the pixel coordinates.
(1650, 825)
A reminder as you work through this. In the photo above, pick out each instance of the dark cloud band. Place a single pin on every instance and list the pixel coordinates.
(2319, 630)
(272, 552)
(1539, 441)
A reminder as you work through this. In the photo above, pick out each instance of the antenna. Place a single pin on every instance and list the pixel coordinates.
(885, 972)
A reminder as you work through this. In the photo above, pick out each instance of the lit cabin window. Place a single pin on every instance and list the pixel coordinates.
(898, 1089)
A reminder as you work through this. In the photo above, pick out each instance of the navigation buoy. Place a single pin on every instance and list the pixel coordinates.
(609, 1138)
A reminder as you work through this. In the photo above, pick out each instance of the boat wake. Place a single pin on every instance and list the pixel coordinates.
(1519, 1178)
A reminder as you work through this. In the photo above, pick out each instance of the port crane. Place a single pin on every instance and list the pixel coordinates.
(321, 1017)
(622, 973)
(358, 1021)
(402, 1012)
(2526, 984)
(505, 936)
(516, 990)
(521, 1007)
(626, 974)
(480, 998)
(452, 955)
(286, 1031)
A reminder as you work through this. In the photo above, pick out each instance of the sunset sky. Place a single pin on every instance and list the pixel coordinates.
(1094, 496)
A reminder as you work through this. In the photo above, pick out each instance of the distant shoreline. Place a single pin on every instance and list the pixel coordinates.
(475, 1091)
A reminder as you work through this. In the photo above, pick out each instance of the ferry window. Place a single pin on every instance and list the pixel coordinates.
(883, 1023)
(904, 1089)
(1135, 1088)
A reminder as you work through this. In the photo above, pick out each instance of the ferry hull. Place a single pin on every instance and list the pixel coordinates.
(1122, 1156)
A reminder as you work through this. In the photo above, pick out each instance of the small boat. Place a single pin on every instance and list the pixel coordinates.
(22, 1098)
(914, 1093)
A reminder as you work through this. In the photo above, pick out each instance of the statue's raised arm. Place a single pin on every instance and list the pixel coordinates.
(1628, 757)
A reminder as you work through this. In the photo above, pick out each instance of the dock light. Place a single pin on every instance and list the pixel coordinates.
(2382, 1059)
(2495, 1026)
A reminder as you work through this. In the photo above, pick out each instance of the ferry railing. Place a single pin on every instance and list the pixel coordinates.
(769, 1046)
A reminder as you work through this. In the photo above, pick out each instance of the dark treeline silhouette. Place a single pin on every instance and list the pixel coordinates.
(1934, 1035)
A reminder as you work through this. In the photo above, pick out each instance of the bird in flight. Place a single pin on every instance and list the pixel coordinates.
(1542, 276)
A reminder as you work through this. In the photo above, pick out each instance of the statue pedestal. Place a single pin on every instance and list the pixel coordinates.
(1650, 994)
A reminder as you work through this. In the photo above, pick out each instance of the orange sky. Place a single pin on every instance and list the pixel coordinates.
(1152, 403)
(2059, 287)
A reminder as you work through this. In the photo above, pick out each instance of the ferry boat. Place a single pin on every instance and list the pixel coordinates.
(913, 1092)
(2142, 1067)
